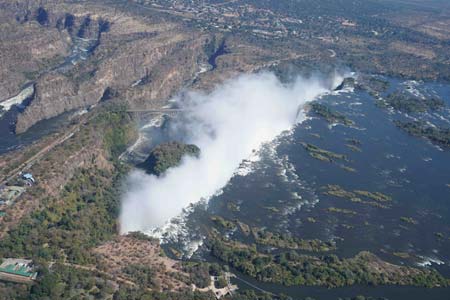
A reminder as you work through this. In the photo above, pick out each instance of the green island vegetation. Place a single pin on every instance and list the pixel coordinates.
(377, 196)
(245, 229)
(329, 115)
(439, 235)
(321, 154)
(411, 104)
(437, 135)
(409, 220)
(272, 209)
(286, 241)
(403, 255)
(222, 223)
(341, 211)
(291, 268)
(353, 144)
(168, 155)
(358, 297)
(353, 148)
(233, 207)
(375, 199)
(265, 237)
(348, 169)
(374, 85)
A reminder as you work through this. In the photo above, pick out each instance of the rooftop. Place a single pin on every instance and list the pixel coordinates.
(20, 267)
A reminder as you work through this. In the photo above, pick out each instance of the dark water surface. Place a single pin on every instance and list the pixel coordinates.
(285, 188)
(10, 141)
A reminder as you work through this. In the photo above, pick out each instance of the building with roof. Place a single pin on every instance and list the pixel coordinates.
(28, 177)
(17, 270)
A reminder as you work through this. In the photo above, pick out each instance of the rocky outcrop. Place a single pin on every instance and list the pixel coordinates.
(49, 88)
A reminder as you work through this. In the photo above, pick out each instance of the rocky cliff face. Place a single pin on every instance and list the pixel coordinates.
(105, 51)
(26, 49)
(138, 60)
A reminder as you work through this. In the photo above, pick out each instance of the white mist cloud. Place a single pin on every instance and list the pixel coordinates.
(227, 125)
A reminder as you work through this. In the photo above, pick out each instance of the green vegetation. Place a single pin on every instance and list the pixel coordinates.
(233, 207)
(329, 115)
(348, 169)
(375, 198)
(353, 148)
(116, 138)
(439, 235)
(403, 255)
(125, 293)
(168, 155)
(375, 85)
(322, 154)
(353, 142)
(272, 209)
(437, 135)
(64, 282)
(354, 145)
(346, 226)
(285, 241)
(143, 237)
(200, 272)
(222, 223)
(408, 220)
(341, 211)
(83, 216)
(412, 104)
(84, 213)
(265, 237)
(142, 275)
(291, 268)
(246, 230)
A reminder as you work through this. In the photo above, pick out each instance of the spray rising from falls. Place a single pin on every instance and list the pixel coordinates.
(227, 125)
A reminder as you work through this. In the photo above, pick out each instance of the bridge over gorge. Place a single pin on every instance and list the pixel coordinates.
(163, 111)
